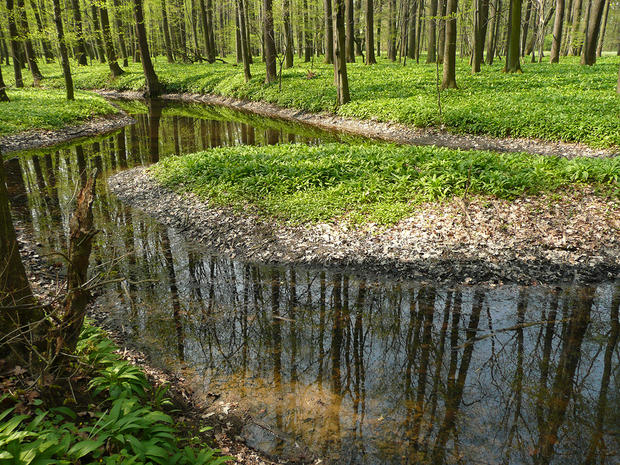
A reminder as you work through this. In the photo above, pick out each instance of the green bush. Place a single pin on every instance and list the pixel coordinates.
(125, 428)
(381, 183)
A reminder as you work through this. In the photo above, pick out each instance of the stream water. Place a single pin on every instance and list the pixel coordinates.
(353, 369)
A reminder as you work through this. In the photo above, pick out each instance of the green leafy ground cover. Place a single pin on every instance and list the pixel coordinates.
(125, 422)
(563, 101)
(32, 108)
(379, 183)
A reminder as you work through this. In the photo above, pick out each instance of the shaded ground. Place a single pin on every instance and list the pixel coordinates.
(551, 238)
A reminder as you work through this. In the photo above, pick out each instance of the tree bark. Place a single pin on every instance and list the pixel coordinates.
(110, 52)
(166, 32)
(350, 31)
(441, 37)
(431, 25)
(62, 47)
(288, 34)
(206, 31)
(25, 36)
(81, 234)
(329, 32)
(120, 32)
(307, 34)
(513, 63)
(592, 32)
(94, 12)
(449, 57)
(526, 25)
(599, 50)
(3, 96)
(14, 40)
(558, 23)
(340, 61)
(152, 86)
(45, 43)
(370, 39)
(270, 46)
(245, 48)
(80, 47)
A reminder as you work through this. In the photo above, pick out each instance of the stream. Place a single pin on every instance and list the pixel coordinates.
(349, 368)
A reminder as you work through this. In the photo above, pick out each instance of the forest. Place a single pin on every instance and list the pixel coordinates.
(372, 232)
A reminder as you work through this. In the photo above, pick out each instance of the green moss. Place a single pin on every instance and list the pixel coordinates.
(563, 101)
(378, 183)
(32, 108)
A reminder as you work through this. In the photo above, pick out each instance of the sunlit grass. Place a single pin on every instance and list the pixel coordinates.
(379, 183)
(563, 101)
(32, 108)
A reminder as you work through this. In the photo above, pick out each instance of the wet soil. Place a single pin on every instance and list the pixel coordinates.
(391, 132)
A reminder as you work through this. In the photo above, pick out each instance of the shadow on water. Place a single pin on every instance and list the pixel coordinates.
(356, 369)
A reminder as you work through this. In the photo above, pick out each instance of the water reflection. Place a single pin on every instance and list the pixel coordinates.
(356, 369)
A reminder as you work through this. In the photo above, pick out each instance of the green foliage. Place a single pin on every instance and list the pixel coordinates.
(48, 109)
(124, 429)
(380, 183)
(562, 101)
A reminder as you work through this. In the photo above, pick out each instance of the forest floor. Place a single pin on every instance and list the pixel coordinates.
(561, 102)
(40, 110)
(550, 238)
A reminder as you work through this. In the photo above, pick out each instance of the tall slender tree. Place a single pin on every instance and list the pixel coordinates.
(431, 28)
(592, 32)
(152, 86)
(329, 32)
(340, 52)
(370, 39)
(558, 23)
(62, 47)
(288, 34)
(513, 62)
(27, 41)
(110, 52)
(80, 43)
(3, 95)
(269, 42)
(16, 52)
(449, 56)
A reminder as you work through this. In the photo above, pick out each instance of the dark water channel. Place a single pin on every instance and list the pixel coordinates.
(352, 368)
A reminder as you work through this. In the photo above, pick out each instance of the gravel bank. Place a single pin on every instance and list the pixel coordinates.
(40, 138)
(391, 132)
(548, 239)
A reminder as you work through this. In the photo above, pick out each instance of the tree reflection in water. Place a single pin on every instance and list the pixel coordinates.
(361, 370)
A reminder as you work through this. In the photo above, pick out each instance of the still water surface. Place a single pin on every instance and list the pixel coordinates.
(355, 369)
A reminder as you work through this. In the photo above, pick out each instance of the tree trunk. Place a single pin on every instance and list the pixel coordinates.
(340, 61)
(206, 28)
(152, 86)
(370, 39)
(558, 23)
(25, 37)
(592, 32)
(15, 49)
(110, 52)
(3, 96)
(270, 46)
(441, 39)
(392, 31)
(599, 50)
(449, 57)
(45, 43)
(288, 35)
(574, 45)
(166, 32)
(431, 25)
(120, 32)
(245, 47)
(80, 46)
(81, 234)
(97, 32)
(329, 32)
(481, 16)
(62, 46)
(618, 85)
(513, 64)
(526, 25)
(307, 34)
(350, 31)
